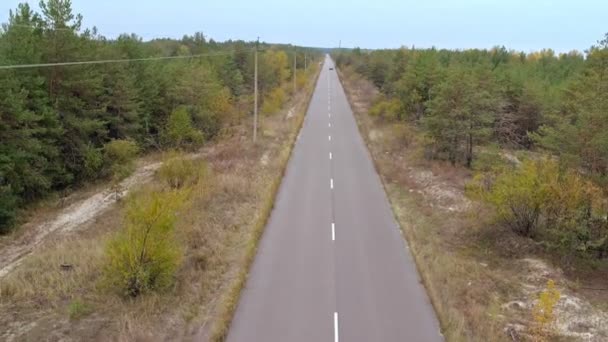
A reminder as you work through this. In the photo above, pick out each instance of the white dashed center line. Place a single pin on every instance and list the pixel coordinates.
(333, 232)
(329, 155)
(336, 336)
(331, 183)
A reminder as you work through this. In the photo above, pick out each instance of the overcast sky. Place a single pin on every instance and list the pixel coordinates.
(526, 25)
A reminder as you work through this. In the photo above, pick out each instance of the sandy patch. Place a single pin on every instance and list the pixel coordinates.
(574, 317)
(75, 216)
(443, 195)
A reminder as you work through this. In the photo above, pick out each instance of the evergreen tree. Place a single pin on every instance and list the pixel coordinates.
(579, 132)
(29, 127)
(460, 115)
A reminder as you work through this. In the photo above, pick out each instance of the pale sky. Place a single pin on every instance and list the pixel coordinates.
(525, 25)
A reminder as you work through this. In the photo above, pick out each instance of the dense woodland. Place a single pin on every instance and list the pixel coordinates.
(63, 126)
(473, 107)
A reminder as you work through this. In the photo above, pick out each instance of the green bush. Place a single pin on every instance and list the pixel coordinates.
(180, 132)
(209, 123)
(575, 215)
(178, 171)
(516, 196)
(386, 108)
(557, 207)
(490, 159)
(145, 255)
(93, 161)
(78, 309)
(119, 157)
(274, 101)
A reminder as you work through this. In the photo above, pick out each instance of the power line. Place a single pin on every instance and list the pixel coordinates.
(33, 27)
(100, 31)
(106, 61)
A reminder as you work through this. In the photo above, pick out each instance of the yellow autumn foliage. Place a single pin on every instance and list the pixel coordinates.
(543, 312)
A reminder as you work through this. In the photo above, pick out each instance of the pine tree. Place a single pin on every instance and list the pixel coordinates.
(29, 127)
(74, 90)
(460, 115)
(578, 134)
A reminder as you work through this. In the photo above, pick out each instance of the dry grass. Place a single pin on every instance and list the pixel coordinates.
(218, 230)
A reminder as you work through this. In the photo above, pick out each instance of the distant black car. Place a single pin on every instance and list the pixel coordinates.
(331, 68)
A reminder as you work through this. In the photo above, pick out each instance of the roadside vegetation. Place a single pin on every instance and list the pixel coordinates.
(58, 123)
(495, 165)
(168, 260)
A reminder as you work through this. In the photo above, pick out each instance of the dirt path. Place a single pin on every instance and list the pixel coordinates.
(75, 216)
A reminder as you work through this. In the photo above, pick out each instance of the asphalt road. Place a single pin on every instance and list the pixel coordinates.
(332, 264)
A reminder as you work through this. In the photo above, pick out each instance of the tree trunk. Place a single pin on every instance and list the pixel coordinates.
(470, 150)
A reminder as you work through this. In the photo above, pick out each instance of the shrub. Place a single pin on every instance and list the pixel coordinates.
(516, 196)
(209, 124)
(180, 132)
(144, 255)
(490, 160)
(575, 215)
(178, 171)
(542, 312)
(93, 161)
(557, 207)
(119, 157)
(386, 108)
(274, 101)
(301, 79)
(78, 309)
(404, 134)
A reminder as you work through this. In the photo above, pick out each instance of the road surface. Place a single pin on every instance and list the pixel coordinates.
(332, 264)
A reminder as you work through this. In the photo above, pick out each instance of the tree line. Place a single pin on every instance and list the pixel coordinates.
(553, 108)
(467, 98)
(56, 122)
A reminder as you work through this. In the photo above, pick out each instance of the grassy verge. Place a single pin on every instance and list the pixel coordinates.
(218, 230)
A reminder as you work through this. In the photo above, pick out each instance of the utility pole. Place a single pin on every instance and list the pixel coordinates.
(295, 55)
(305, 62)
(255, 92)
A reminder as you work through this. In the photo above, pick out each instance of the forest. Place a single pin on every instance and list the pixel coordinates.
(63, 126)
(531, 128)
